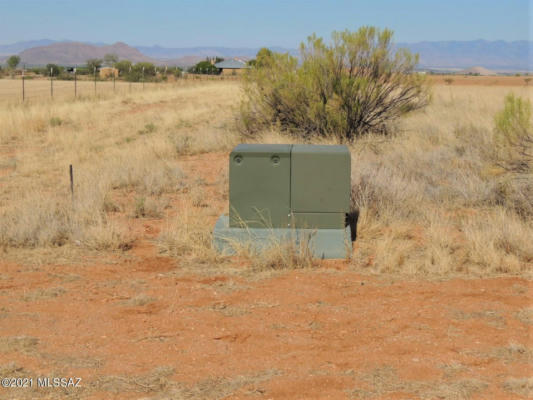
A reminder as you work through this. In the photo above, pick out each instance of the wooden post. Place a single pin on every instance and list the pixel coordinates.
(95, 81)
(143, 78)
(75, 83)
(51, 84)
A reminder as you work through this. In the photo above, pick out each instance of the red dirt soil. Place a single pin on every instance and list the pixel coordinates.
(324, 333)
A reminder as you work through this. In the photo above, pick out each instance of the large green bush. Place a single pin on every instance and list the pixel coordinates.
(204, 67)
(53, 70)
(356, 84)
(124, 67)
(142, 71)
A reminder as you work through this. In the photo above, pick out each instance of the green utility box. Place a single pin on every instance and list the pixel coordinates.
(288, 192)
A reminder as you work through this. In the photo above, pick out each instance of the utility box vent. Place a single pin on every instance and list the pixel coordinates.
(280, 186)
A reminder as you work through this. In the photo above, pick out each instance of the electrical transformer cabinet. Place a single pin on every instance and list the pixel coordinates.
(288, 192)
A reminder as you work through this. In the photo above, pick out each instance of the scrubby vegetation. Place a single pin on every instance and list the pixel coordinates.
(140, 157)
(206, 67)
(435, 198)
(447, 194)
(356, 85)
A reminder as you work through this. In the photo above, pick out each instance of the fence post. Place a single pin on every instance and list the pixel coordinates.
(75, 83)
(23, 68)
(71, 182)
(95, 81)
(143, 78)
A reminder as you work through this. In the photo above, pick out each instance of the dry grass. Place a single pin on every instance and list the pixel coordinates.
(514, 352)
(519, 386)
(431, 198)
(118, 145)
(43, 294)
(384, 381)
(139, 300)
(159, 385)
(187, 235)
(525, 315)
(24, 344)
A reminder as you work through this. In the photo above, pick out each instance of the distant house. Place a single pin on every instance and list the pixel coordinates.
(231, 67)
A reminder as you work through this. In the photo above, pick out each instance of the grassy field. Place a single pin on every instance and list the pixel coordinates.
(119, 282)
(39, 89)
(432, 198)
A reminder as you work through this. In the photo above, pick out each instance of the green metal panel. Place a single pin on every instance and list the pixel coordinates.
(259, 185)
(320, 183)
(318, 220)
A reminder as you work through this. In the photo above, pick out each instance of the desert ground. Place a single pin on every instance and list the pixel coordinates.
(117, 283)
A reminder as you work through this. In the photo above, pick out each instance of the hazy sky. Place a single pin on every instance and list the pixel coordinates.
(253, 23)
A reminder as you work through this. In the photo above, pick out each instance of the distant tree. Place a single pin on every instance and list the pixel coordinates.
(263, 55)
(149, 68)
(177, 71)
(110, 60)
(123, 67)
(204, 67)
(93, 63)
(448, 81)
(135, 74)
(526, 80)
(13, 61)
(53, 69)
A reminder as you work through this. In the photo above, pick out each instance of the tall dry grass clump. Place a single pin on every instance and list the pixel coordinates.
(431, 199)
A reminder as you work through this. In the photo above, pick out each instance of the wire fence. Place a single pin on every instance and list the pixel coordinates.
(24, 89)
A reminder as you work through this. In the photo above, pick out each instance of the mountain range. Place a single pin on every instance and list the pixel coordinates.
(497, 55)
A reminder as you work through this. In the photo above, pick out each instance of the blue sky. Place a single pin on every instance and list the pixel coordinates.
(253, 23)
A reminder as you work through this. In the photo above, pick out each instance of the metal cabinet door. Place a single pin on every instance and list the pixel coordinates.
(259, 192)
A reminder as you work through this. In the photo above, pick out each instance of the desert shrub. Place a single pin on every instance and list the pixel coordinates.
(141, 71)
(94, 64)
(146, 207)
(123, 67)
(56, 121)
(204, 67)
(513, 138)
(514, 134)
(13, 61)
(53, 70)
(355, 85)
